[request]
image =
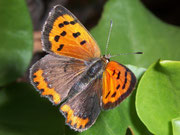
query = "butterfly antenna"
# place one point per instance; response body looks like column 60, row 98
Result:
column 126, row 54
column 110, row 29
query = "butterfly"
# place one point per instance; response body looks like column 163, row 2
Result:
column 75, row 73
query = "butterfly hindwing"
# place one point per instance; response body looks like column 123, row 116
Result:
column 82, row 110
column 64, row 35
column 53, row 76
column 118, row 83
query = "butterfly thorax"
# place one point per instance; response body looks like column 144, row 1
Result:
column 95, row 70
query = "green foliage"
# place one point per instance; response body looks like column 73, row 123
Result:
column 23, row 111
column 16, row 40
column 136, row 29
column 158, row 95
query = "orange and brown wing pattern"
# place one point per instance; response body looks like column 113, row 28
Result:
column 42, row 87
column 54, row 76
column 118, row 83
column 82, row 110
column 64, row 35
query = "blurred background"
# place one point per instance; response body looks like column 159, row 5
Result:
column 89, row 11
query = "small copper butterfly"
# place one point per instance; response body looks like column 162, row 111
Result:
column 75, row 73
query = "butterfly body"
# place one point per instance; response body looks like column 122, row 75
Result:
column 74, row 73
column 95, row 69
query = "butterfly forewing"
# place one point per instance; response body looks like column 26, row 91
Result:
column 118, row 83
column 64, row 35
column 53, row 76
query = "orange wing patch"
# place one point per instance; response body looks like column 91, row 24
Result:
column 118, row 82
column 72, row 119
column 66, row 36
column 43, row 87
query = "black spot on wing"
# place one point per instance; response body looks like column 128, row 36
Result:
column 114, row 94
column 113, row 72
column 34, row 76
column 107, row 94
column 125, row 81
column 66, row 22
column 72, row 22
column 56, row 38
column 83, row 42
column 118, row 86
column 80, row 127
column 36, row 83
column 63, row 33
column 75, row 35
column 118, row 75
column 126, row 74
column 41, row 90
column 60, row 47
column 61, row 25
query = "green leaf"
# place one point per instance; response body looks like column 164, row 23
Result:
column 176, row 126
column 24, row 112
column 137, row 70
column 157, row 99
column 117, row 120
column 16, row 39
column 136, row 29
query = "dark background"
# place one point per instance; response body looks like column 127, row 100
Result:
column 89, row 11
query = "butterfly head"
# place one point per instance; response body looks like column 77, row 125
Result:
column 106, row 58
